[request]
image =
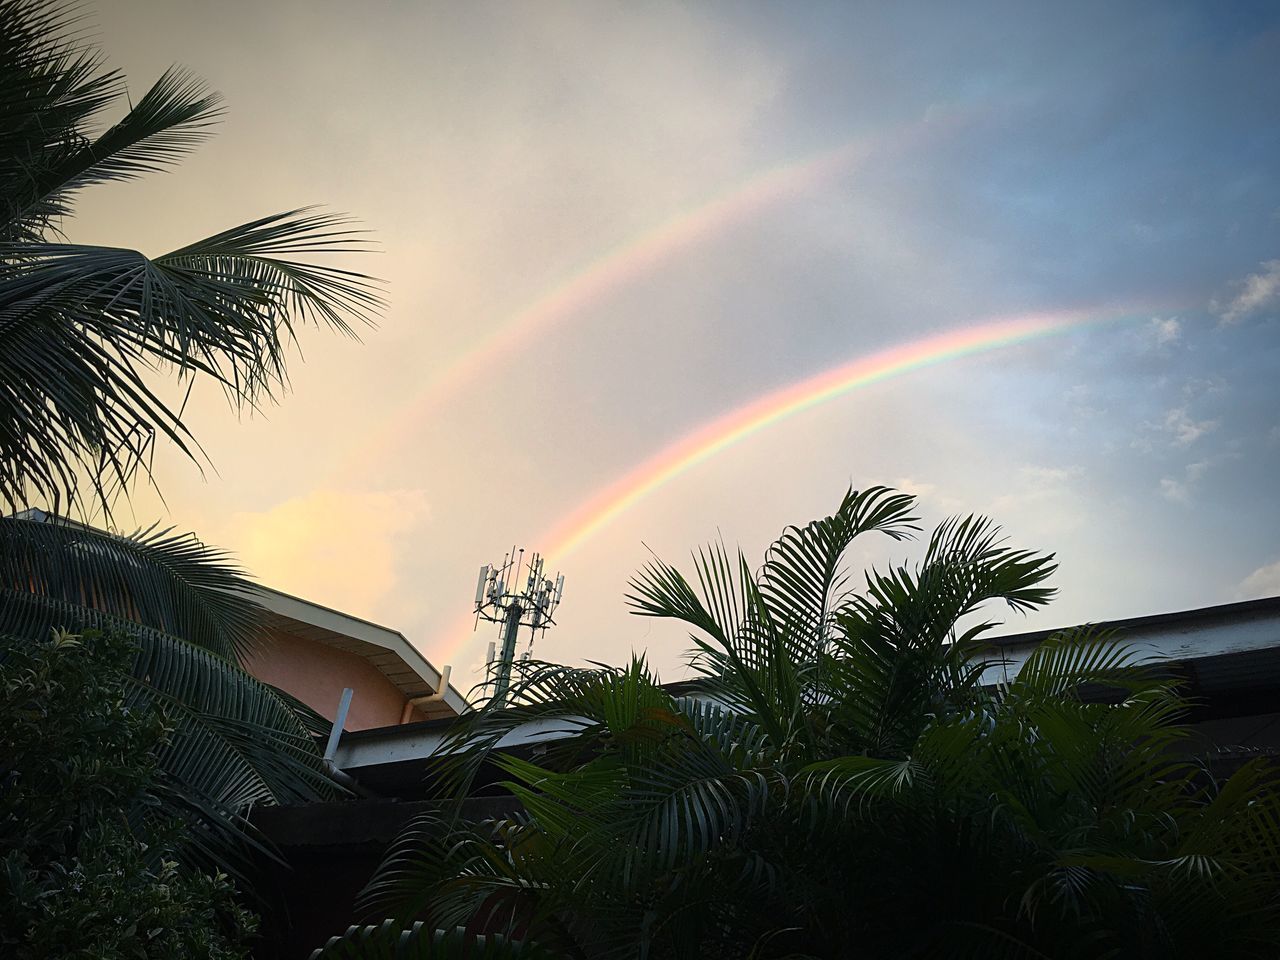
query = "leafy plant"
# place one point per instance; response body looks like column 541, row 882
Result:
column 83, row 328
column 234, row 741
column 90, row 863
column 848, row 775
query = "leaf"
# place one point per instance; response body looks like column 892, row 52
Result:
column 388, row 940
column 84, row 328
column 170, row 582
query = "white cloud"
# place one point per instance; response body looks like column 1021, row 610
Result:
column 931, row 496
column 1186, row 430
column 1164, row 331
column 1202, row 386
column 340, row 548
column 1263, row 582
column 1049, row 493
column 1180, row 491
column 1039, row 477
column 920, row 488
column 1256, row 292
column 1197, row 470
column 1174, row 490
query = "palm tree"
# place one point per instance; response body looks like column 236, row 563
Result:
column 83, row 331
column 236, row 742
column 848, row 776
column 83, row 328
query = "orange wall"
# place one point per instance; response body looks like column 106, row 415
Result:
column 316, row 674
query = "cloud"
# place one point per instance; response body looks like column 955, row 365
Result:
column 1256, row 292
column 340, row 548
column 1185, row 430
column 931, row 495
column 1180, row 491
column 920, row 488
column 1203, row 386
column 1175, row 490
column 1263, row 582
column 1164, row 332
column 1040, row 477
column 1047, row 493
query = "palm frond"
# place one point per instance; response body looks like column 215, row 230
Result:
column 845, row 780
column 1066, row 662
column 81, row 329
column 168, row 581
column 495, row 875
column 52, row 83
column 802, row 580
column 169, row 120
column 391, row 941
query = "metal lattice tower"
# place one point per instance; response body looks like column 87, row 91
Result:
column 502, row 600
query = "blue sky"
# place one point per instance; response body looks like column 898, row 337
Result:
column 1081, row 155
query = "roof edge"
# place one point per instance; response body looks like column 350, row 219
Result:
column 1241, row 608
column 286, row 605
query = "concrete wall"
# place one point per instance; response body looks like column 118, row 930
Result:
column 316, row 674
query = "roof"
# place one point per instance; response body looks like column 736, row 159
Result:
column 1245, row 609
column 1230, row 653
column 387, row 649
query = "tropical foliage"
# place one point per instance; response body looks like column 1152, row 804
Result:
column 852, row 773
column 85, row 332
column 234, row 741
column 418, row 942
column 90, row 854
column 84, row 328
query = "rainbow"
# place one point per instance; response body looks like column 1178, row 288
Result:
column 718, row 435
column 643, row 253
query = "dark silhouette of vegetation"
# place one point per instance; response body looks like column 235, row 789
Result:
column 83, row 328
column 235, row 741
column 850, row 774
column 90, row 858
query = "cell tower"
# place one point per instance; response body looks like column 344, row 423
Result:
column 500, row 600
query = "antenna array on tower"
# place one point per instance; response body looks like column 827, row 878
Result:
column 501, row 598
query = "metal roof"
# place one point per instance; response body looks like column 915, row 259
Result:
column 1230, row 653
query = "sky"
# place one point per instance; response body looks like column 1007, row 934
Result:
column 661, row 273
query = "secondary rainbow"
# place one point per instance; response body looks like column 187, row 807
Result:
column 716, row 436
column 641, row 254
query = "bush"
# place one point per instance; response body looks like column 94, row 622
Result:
column 88, row 867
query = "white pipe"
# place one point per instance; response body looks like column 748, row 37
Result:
column 441, row 690
column 331, row 749
column 339, row 721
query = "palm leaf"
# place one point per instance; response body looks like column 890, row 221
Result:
column 51, row 84
column 390, row 941
column 166, row 123
column 155, row 577
column 1068, row 661
column 83, row 328
column 802, row 578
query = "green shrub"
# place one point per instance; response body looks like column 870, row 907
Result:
column 88, row 867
